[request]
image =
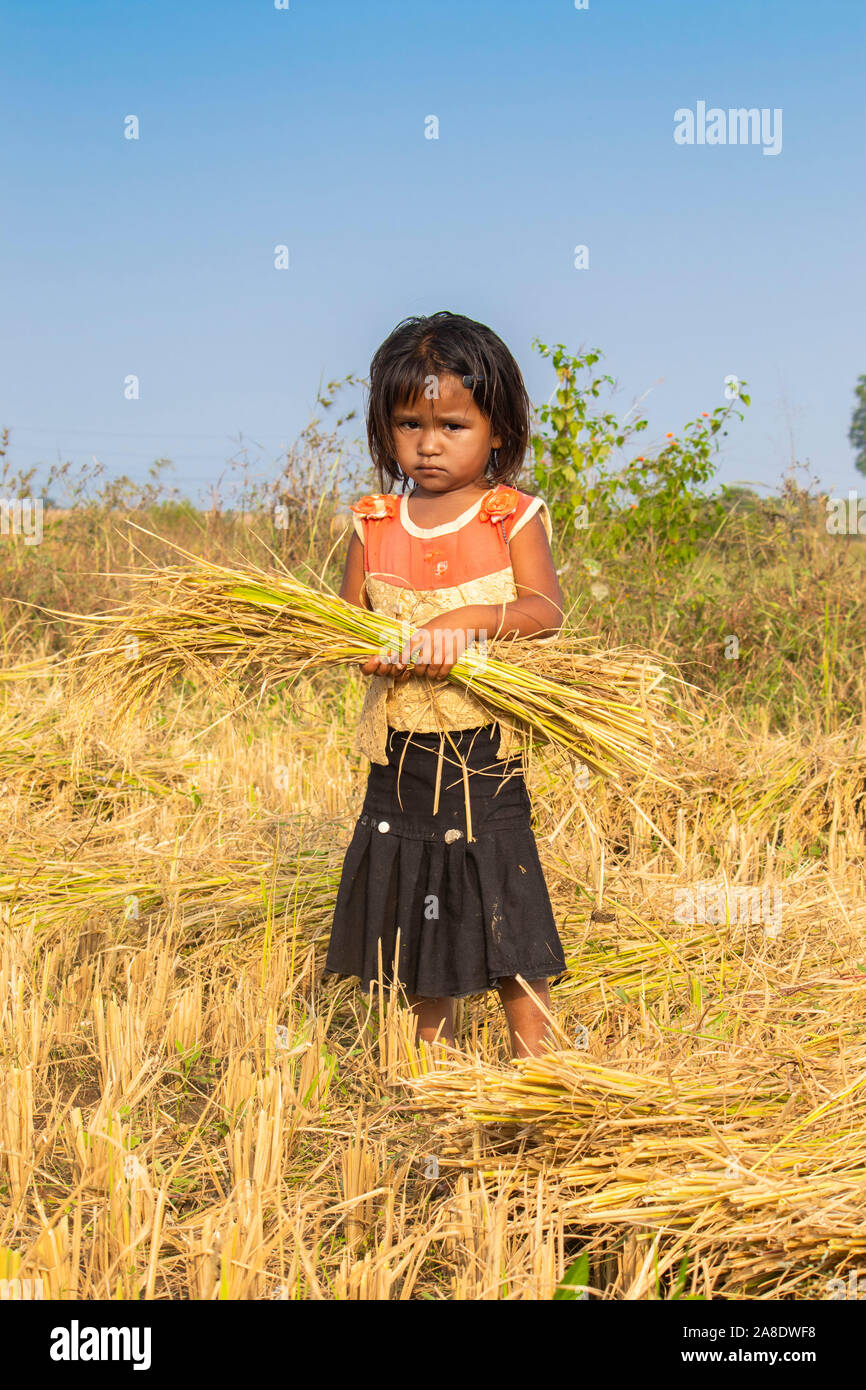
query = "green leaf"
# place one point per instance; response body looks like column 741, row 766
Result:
column 575, row 1278
column 681, row 1277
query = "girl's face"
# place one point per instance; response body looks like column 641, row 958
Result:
column 443, row 444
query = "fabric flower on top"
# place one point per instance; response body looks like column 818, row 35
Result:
column 499, row 503
column 376, row 505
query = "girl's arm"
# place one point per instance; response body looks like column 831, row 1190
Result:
column 536, row 612
column 352, row 591
column 538, row 609
column 353, row 575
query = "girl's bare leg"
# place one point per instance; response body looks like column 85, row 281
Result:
column 431, row 1013
column 525, row 1017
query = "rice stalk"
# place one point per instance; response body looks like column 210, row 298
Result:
column 223, row 626
column 51, row 892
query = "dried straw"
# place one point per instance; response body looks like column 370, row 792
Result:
column 227, row 626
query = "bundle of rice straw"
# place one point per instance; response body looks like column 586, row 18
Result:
column 606, row 709
column 48, row 892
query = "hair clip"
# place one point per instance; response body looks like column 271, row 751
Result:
column 470, row 381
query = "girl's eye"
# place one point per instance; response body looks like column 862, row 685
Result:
column 412, row 424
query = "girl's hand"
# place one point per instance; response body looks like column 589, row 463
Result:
column 382, row 666
column 433, row 649
column 438, row 644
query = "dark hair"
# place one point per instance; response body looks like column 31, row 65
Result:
column 448, row 344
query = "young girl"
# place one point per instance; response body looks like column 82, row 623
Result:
column 444, row 850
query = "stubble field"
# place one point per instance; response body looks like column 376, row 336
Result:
column 188, row 1111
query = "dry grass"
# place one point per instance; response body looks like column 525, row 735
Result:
column 244, row 626
column 187, row 1111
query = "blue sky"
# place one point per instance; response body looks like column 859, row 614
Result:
column 305, row 127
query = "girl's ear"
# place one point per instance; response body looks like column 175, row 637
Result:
column 496, row 442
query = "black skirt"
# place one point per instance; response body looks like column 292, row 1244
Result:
column 470, row 911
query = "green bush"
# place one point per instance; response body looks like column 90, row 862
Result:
column 656, row 499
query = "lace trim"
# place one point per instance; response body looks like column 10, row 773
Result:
column 422, row 705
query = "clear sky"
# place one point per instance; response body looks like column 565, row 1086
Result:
column 306, row 127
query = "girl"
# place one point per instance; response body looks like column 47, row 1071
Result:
column 444, row 850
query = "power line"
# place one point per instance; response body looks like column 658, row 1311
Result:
column 129, row 454
column 128, row 434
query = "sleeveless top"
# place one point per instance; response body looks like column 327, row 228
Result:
column 413, row 574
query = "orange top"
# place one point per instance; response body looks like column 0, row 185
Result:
column 471, row 547
column 415, row 573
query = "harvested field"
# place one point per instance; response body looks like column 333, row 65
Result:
column 188, row 1111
